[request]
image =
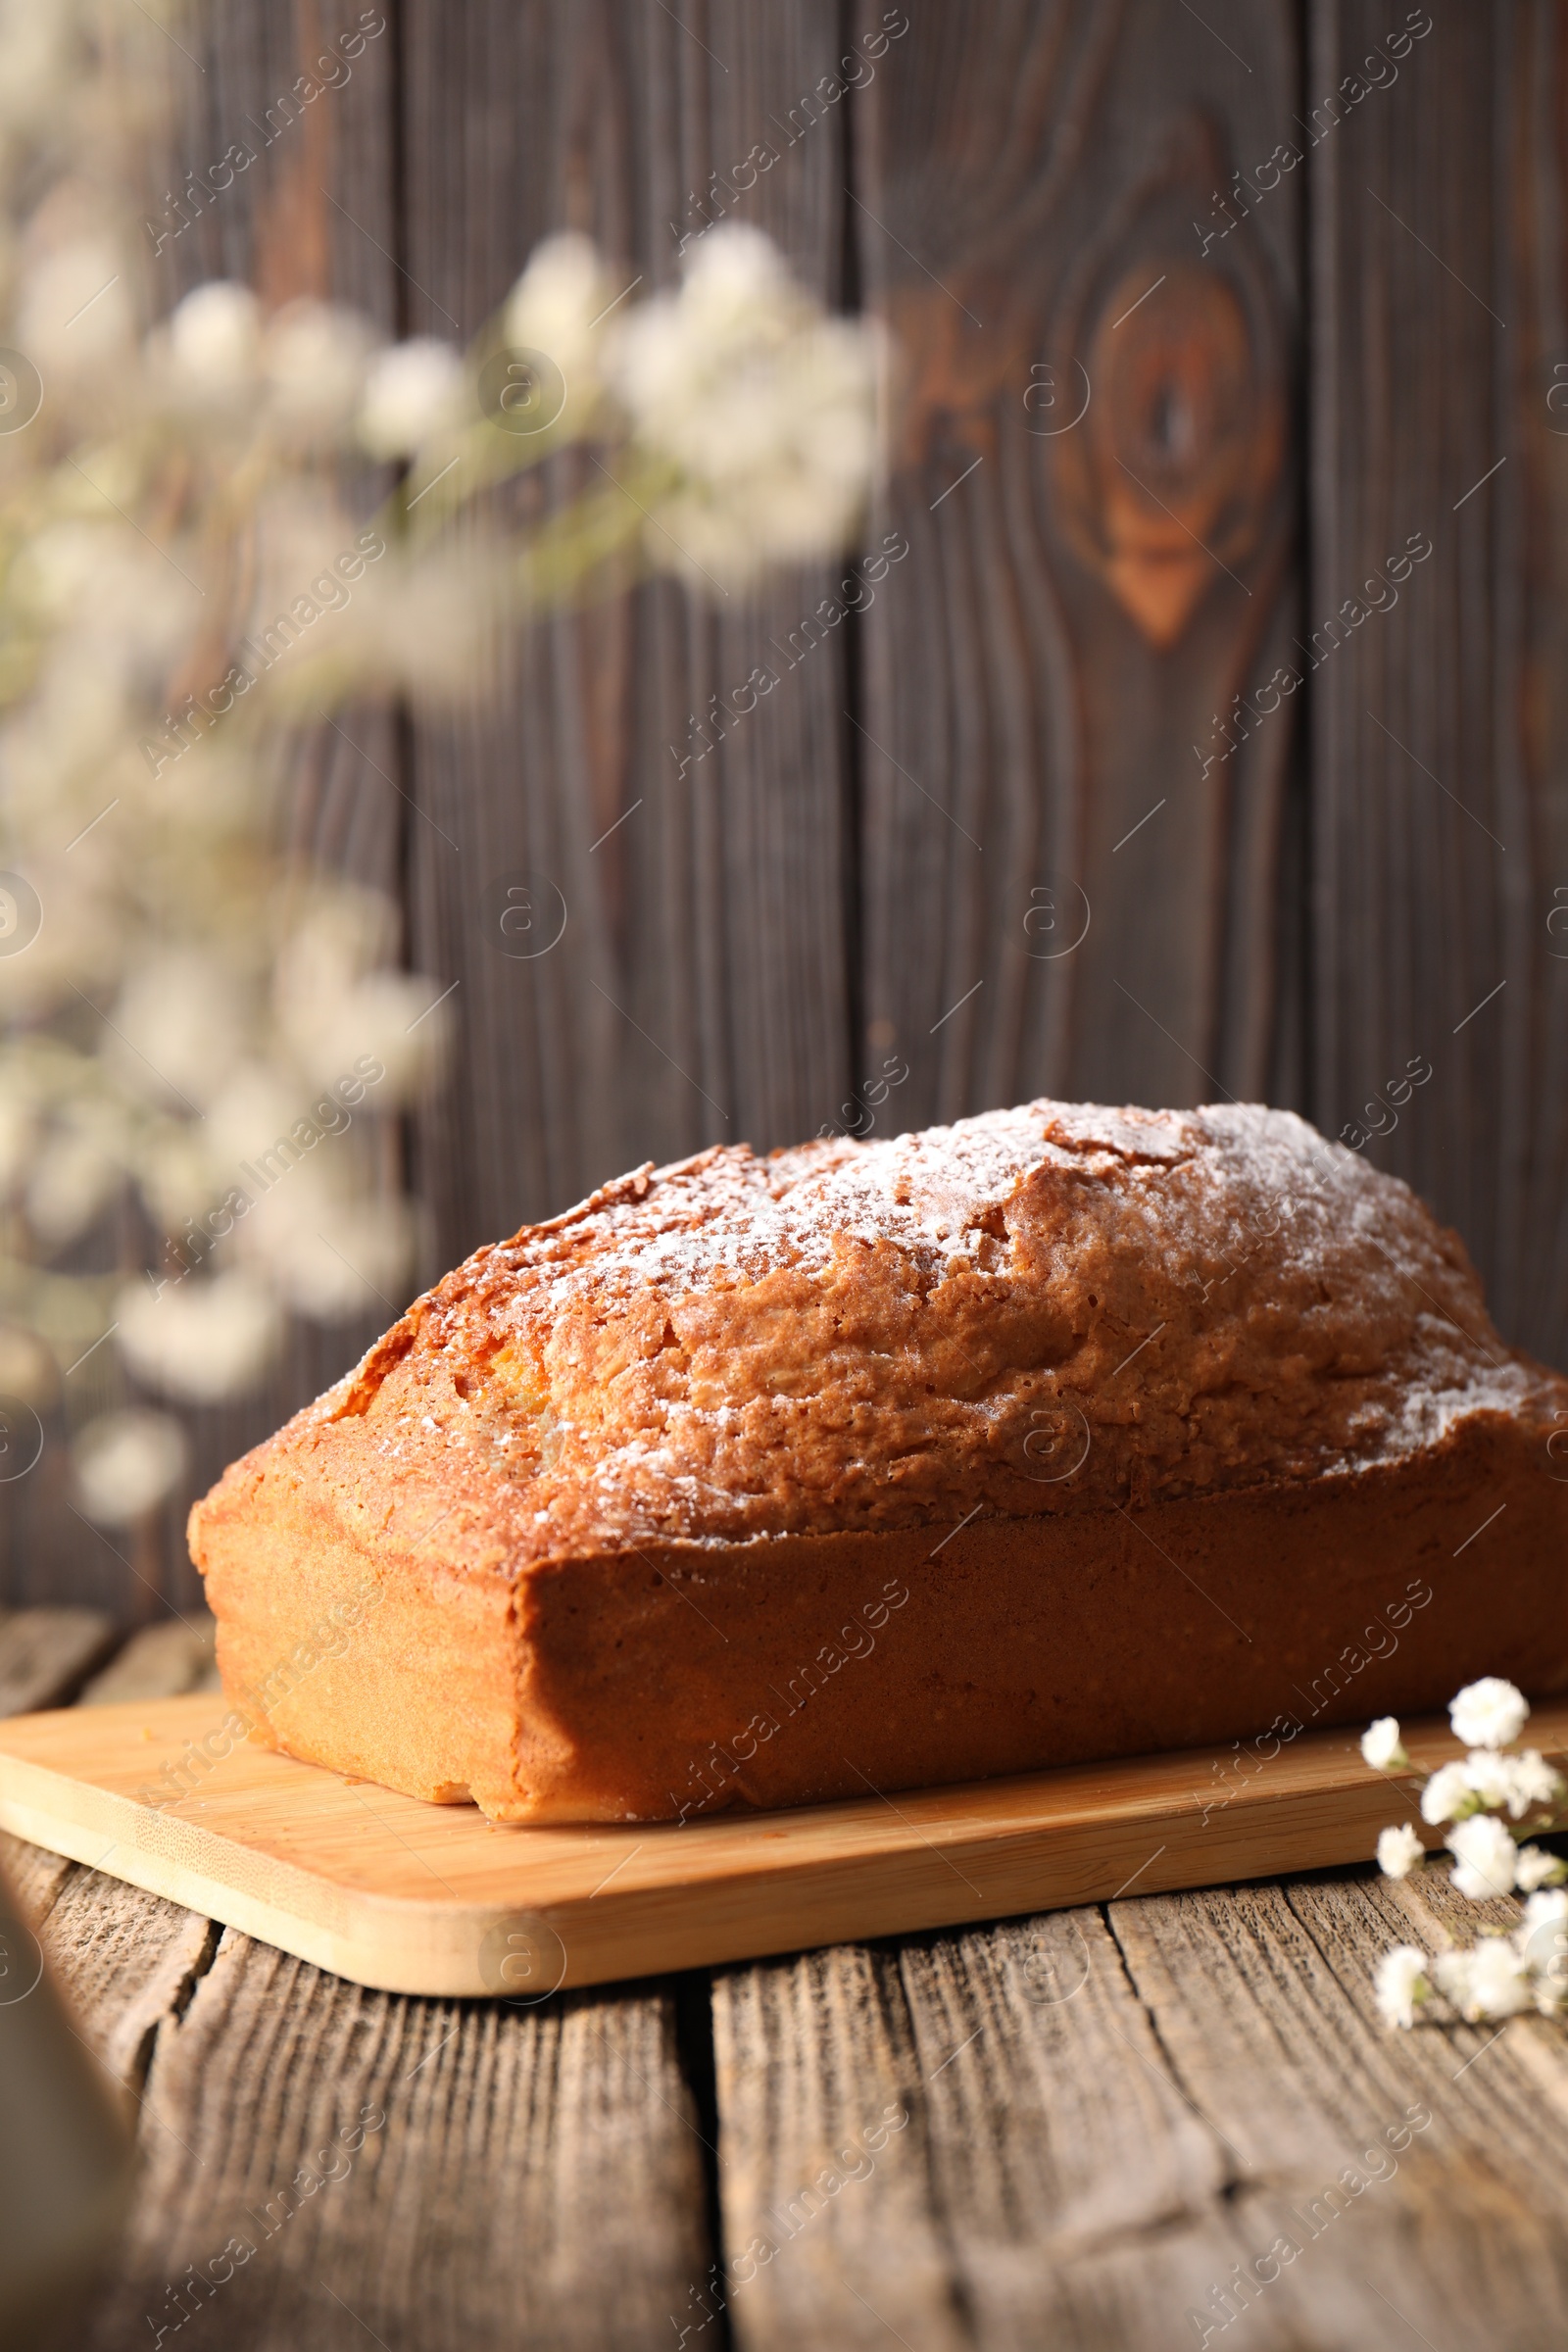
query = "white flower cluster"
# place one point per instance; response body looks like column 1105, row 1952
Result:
column 1500, row 1974
column 196, row 1034
column 758, row 408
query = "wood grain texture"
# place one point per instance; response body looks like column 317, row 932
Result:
column 46, row 1654
column 698, row 991
column 535, row 2174
column 125, row 1960
column 312, row 215
column 310, row 212
column 158, row 1662
column 1437, row 766
column 1535, row 1239
column 536, row 2169
column 1111, row 2110
column 830, row 2234
column 1094, row 479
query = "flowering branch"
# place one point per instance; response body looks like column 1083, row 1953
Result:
column 1502, row 1974
column 202, row 562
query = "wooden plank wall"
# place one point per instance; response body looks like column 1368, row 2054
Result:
column 701, row 990
column 312, row 213
column 1439, row 820
column 1081, row 596
column 1102, row 792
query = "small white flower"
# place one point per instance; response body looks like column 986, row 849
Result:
column 198, row 1340
column 1399, row 1851
column 762, row 407
column 331, row 1258
column 1549, row 1909
column 1447, row 1794
column 315, row 356
column 1490, row 1713
column 72, row 1180
column 1517, row 1781
column 176, row 1026
column 1551, row 1994
column 1383, row 1747
column 389, row 1021
column 215, row 337
column 557, row 307
column 1541, row 1939
column 27, row 1369
column 1490, row 1981
column 74, row 310
column 126, row 1462
column 414, row 392
column 1486, row 1857
column 1490, row 1774
column 1450, row 1972
column 1534, row 1867
column 1402, row 1984
column 1534, row 1783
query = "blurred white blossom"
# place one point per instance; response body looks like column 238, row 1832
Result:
column 759, row 406
column 1534, row 1783
column 1402, row 1984
column 1490, row 1981
column 1543, row 1911
column 1541, row 1939
column 214, row 339
column 1484, row 1855
column 1490, row 1774
column 1399, row 1851
column 74, row 315
column 1382, row 1746
column 205, row 559
column 556, row 308
column 71, row 1181
column 1449, row 1793
column 331, row 1258
column 27, row 1369
column 1518, row 1782
column 314, row 359
column 178, row 1026
column 1535, row 1868
column 126, row 1462
column 1490, row 1713
column 199, row 1341
column 414, row 392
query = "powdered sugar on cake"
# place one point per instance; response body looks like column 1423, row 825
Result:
column 1058, row 1309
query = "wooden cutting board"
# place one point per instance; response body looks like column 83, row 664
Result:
column 412, row 1897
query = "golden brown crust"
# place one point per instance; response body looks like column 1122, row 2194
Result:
column 1034, row 1323
column 669, row 1683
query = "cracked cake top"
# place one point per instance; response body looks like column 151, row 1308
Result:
column 1054, row 1308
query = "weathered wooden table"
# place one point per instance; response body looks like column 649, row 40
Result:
column 1061, row 2132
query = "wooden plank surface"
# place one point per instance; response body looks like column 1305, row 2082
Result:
column 1094, row 477
column 46, row 1654
column 698, row 991
column 536, row 2167
column 434, row 1898
column 534, row 2175
column 1109, row 2110
column 177, row 1655
column 1441, row 840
